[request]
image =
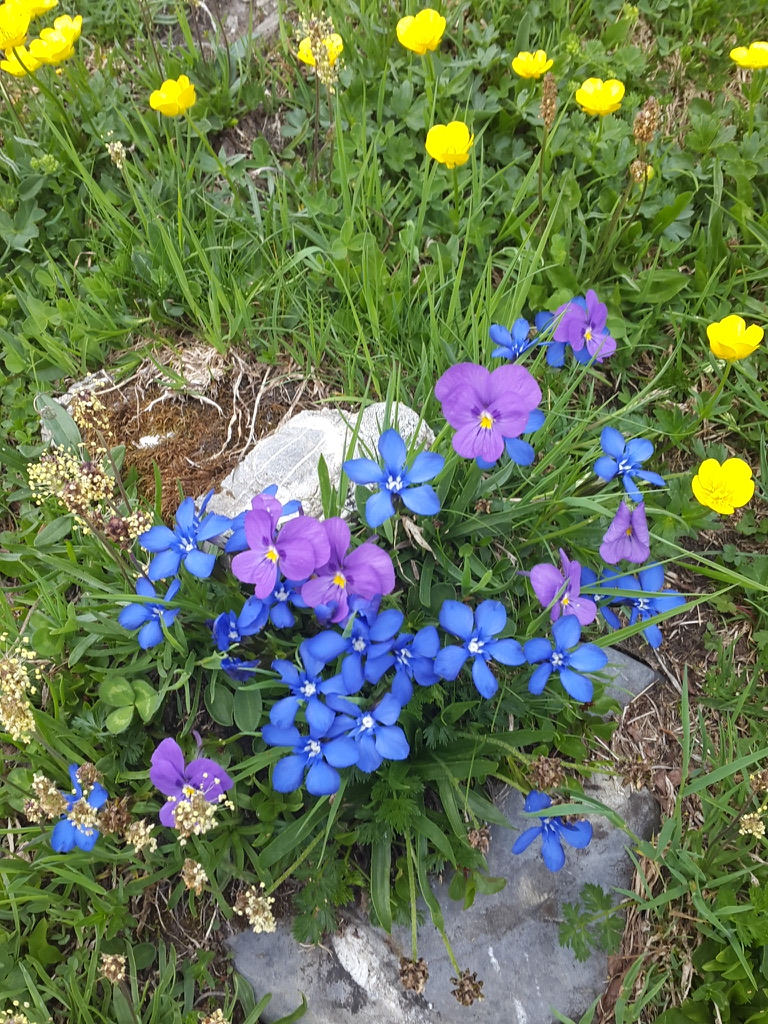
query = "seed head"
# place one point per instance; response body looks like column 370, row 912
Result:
column 468, row 988
column 647, row 120
column 752, row 825
column 113, row 967
column 256, row 908
column 548, row 99
column 193, row 875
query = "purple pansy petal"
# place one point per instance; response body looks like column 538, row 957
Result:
column 167, row 814
column 167, row 767
column 472, row 441
column 338, row 536
column 202, row 773
column 370, row 571
column 547, row 582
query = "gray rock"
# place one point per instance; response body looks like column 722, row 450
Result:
column 289, row 457
column 628, row 677
column 510, row 939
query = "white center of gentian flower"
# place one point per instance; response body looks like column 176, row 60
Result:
column 271, row 554
column 366, row 723
column 312, row 748
column 558, row 660
column 188, row 545
column 403, row 656
column 308, row 689
column 394, row 483
column 281, row 594
column 624, row 465
column 233, row 633
column 358, row 645
column 486, row 420
column 475, row 645
column 643, row 604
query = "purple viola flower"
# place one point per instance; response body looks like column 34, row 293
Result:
column 174, row 547
column 520, row 452
column 624, row 458
column 77, row 826
column 478, row 632
column 265, row 501
column 371, row 636
column 582, row 326
column 485, row 407
column 149, row 618
column 627, row 538
column 178, row 781
column 229, row 628
column 366, row 572
column 566, row 657
column 313, row 756
column 239, row 670
column 413, row 658
column 374, row 731
column 562, row 590
column 306, row 686
column 552, row 831
column 396, row 479
column 645, row 600
column 296, row 550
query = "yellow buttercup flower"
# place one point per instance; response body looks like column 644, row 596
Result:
column 421, row 32
column 19, row 61
column 174, row 96
column 723, row 488
column 71, row 27
column 37, row 7
column 531, row 65
column 449, row 144
column 334, row 44
column 754, row 56
column 14, row 23
column 730, row 338
column 58, row 43
column 598, row 97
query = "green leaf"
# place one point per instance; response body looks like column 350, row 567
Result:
column 247, row 708
column 117, row 692
column 146, row 699
column 118, row 720
column 381, row 869
column 426, row 827
column 53, row 532
column 63, row 428
column 40, row 948
column 219, row 702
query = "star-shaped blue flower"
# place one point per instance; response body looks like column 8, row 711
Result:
column 478, row 632
column 77, row 827
column 649, row 599
column 172, row 547
column 625, row 458
column 395, row 479
column 566, row 657
column 552, row 831
column 313, row 756
column 149, row 618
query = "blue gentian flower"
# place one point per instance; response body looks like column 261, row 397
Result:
column 511, row 344
column 229, row 628
column 396, row 479
column 478, row 632
column 313, row 756
column 150, row 617
column 371, row 636
column 552, row 831
column 238, row 541
column 412, row 656
column 374, row 731
column 566, row 657
column 624, row 458
column 306, row 687
column 285, row 594
column 520, row 452
column 239, row 670
column 648, row 602
column 172, row 547
column 78, row 824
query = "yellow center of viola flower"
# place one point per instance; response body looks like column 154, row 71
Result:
column 339, row 580
column 565, row 601
column 588, row 335
column 628, row 531
column 272, row 554
column 486, row 420
column 188, row 790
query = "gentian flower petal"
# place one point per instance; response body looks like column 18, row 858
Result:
column 525, row 839
column 566, row 632
column 288, row 773
column 552, row 851
column 63, row 836
column 422, row 500
column 322, row 780
column 378, row 508
column 485, row 681
column 157, row 538
column 450, row 661
column 457, row 618
column 536, row 801
column 588, row 658
column 539, row 678
column 612, row 442
column 363, row 471
column 491, row 617
column 537, row 649
column 577, row 834
column 578, row 686
column 164, row 564
column 392, row 743
column 198, row 563
column 392, row 450
column 507, row 652
column 150, row 635
column 426, row 466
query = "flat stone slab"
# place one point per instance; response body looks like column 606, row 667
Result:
column 289, row 457
column 628, row 677
column 510, row 939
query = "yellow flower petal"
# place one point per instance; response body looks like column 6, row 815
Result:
column 421, row 32
column 753, row 57
column 600, row 98
column 531, row 65
column 173, row 97
column 450, row 143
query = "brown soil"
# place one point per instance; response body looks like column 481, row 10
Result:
column 189, row 416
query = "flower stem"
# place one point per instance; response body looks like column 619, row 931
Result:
column 710, row 405
column 542, row 153
column 316, row 139
column 456, row 198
